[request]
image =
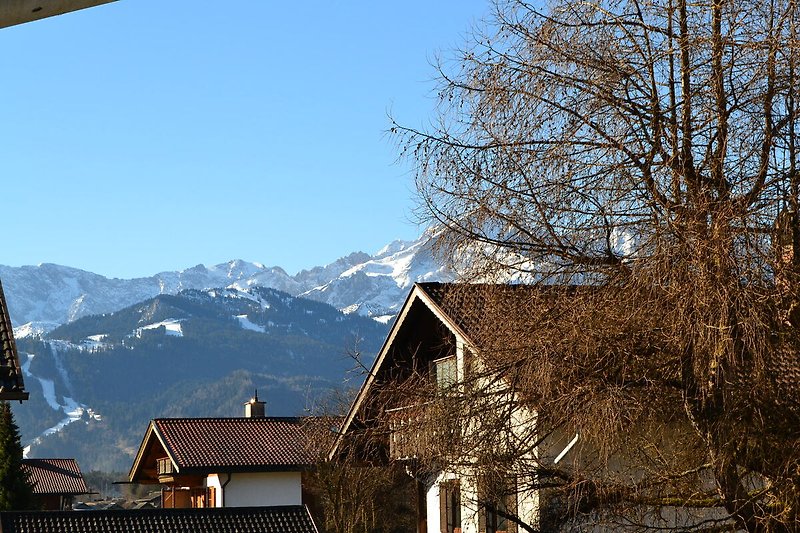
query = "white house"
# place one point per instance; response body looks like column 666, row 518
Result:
column 254, row 461
column 440, row 400
column 432, row 339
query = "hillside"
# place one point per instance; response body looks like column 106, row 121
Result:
column 96, row 382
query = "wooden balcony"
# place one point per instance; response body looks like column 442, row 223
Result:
column 408, row 436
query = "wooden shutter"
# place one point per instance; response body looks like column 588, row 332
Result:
column 481, row 507
column 511, row 508
column 443, row 499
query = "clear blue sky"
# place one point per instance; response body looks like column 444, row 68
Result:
column 151, row 135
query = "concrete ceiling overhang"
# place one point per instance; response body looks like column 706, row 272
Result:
column 13, row 12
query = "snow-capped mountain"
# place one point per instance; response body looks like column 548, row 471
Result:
column 41, row 297
column 377, row 286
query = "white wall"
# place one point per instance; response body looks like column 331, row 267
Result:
column 469, row 514
column 523, row 423
column 260, row 489
column 432, row 506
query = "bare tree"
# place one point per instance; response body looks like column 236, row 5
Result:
column 349, row 494
column 647, row 151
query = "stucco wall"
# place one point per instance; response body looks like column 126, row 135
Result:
column 261, row 489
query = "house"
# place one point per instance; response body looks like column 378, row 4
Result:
column 55, row 482
column 439, row 399
column 225, row 462
column 285, row 519
column 12, row 386
column 434, row 339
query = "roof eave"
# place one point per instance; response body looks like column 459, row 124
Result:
column 13, row 395
column 238, row 469
column 14, row 12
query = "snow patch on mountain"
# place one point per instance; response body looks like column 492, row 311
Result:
column 172, row 327
column 34, row 329
column 245, row 323
column 73, row 410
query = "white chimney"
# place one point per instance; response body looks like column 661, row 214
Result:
column 254, row 408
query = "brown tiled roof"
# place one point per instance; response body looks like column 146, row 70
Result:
column 269, row 443
column 469, row 305
column 286, row 519
column 55, row 476
column 11, row 385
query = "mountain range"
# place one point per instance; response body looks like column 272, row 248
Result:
column 44, row 296
column 102, row 356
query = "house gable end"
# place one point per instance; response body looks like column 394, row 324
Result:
column 421, row 324
column 152, row 448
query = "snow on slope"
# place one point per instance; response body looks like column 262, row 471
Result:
column 377, row 287
column 34, row 329
column 245, row 323
column 41, row 297
column 171, row 327
column 72, row 410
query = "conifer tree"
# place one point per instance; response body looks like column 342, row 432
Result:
column 16, row 493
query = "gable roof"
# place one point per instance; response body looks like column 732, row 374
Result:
column 207, row 445
column 437, row 297
column 462, row 308
column 12, row 386
column 284, row 519
column 55, row 476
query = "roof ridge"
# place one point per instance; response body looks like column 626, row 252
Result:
column 50, row 459
column 286, row 418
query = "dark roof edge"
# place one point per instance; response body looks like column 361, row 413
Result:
column 238, row 469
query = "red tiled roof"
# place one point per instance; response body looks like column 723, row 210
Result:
column 55, row 476
column 286, row 519
column 268, row 443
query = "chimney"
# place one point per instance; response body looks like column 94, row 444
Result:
column 254, row 408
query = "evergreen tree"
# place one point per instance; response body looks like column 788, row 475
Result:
column 16, row 493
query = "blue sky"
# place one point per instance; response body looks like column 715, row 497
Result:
column 151, row 135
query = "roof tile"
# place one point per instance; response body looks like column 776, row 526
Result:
column 203, row 443
column 285, row 519
column 55, row 476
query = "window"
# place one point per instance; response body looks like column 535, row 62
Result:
column 203, row 497
column 450, row 507
column 497, row 502
column 445, row 372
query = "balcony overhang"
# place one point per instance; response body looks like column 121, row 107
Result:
column 13, row 12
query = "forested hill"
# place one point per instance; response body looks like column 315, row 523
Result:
column 96, row 382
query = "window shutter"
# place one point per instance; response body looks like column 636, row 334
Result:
column 481, row 507
column 511, row 509
column 443, row 497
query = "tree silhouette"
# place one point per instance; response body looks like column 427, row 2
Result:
column 648, row 150
column 16, row 493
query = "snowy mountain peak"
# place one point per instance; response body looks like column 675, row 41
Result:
column 371, row 285
column 394, row 247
